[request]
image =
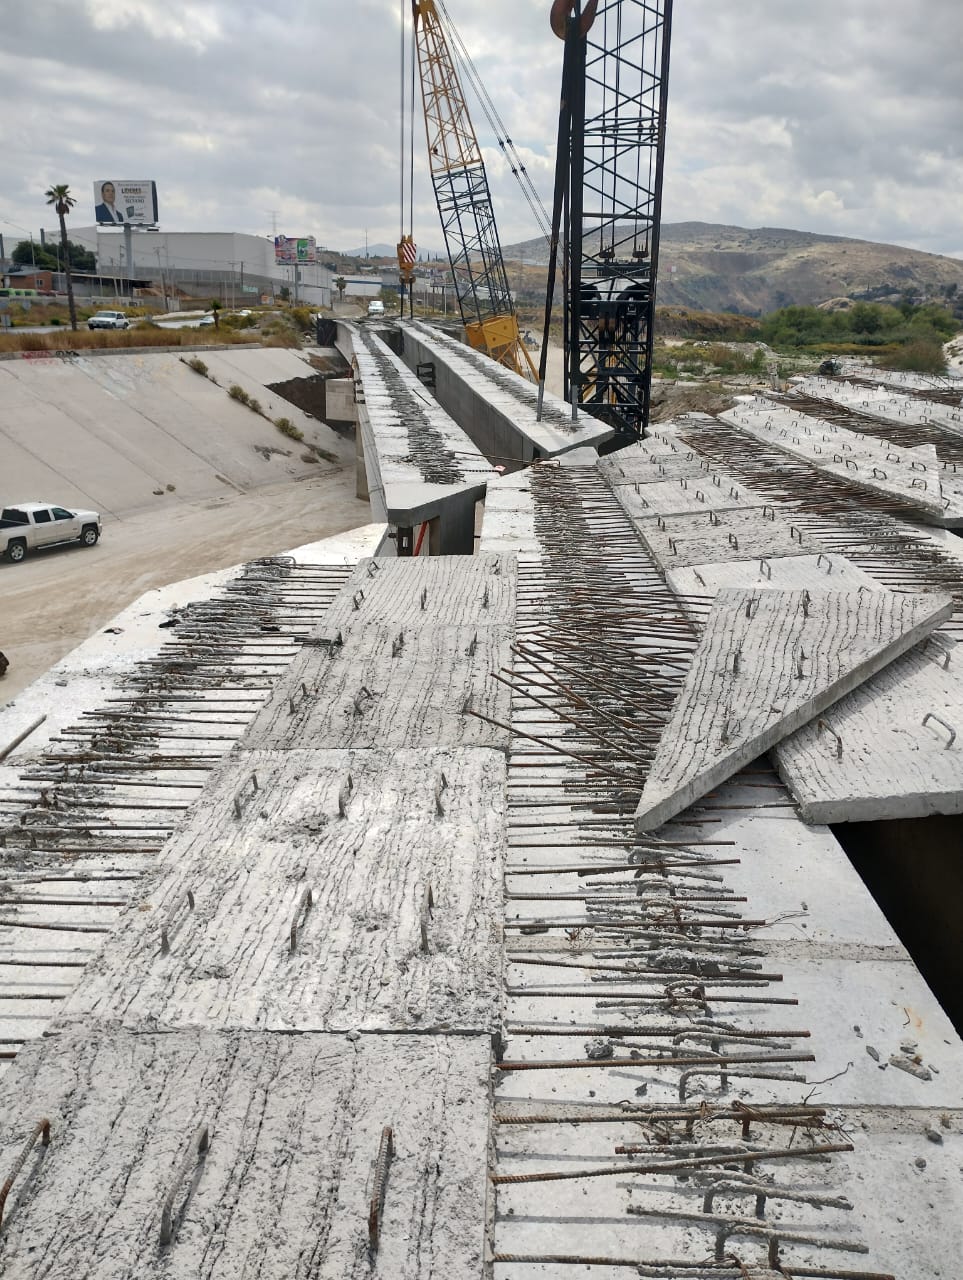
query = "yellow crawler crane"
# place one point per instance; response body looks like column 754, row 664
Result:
column 464, row 201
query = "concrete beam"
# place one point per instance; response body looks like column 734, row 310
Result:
column 495, row 406
column 419, row 466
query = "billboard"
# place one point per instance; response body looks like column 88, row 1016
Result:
column 290, row 250
column 120, row 200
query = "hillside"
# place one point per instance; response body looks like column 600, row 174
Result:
column 720, row 268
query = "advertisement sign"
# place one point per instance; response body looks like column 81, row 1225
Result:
column 120, row 200
column 290, row 250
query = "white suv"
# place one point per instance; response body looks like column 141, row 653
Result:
column 376, row 308
column 108, row 320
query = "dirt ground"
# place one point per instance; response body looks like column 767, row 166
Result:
column 55, row 599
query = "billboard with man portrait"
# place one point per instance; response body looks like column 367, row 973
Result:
column 120, row 200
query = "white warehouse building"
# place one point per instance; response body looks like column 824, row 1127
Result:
column 226, row 264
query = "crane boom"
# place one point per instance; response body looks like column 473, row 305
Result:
column 464, row 200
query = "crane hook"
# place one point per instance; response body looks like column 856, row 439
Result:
column 563, row 9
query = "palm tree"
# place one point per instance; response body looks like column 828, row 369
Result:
column 61, row 199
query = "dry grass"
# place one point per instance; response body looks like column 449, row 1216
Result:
column 101, row 339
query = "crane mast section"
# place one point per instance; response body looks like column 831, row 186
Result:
column 464, row 200
column 618, row 147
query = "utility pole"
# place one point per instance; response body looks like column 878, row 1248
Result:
column 160, row 271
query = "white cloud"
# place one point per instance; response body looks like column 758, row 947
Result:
column 843, row 120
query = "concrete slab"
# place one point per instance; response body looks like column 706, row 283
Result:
column 508, row 524
column 495, row 407
column 724, row 537
column 631, row 467
column 781, row 573
column 767, row 663
column 374, row 692
column 892, row 765
column 682, row 496
column 900, row 380
column 425, row 822
column 285, row 1185
column 412, row 592
column 883, row 402
column 910, row 477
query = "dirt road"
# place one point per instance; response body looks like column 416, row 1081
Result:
column 57, row 598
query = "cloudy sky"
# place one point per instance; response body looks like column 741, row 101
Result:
column 838, row 117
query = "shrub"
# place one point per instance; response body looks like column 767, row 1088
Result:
column 918, row 357
column 238, row 393
column 197, row 364
column 254, row 405
column 287, row 428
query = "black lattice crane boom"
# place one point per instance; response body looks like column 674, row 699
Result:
column 609, row 181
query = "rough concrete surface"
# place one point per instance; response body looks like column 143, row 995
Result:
column 372, row 691
column 900, row 753
column 284, row 1188
column 767, row 663
column 415, row 824
column 438, row 591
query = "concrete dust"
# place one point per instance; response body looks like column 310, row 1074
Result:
column 55, row 599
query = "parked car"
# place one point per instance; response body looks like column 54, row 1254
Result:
column 108, row 320
column 376, row 307
column 205, row 321
column 41, row 524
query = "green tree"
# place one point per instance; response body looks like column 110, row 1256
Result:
column 340, row 284
column 27, row 253
column 216, row 308
column 61, row 199
column 30, row 254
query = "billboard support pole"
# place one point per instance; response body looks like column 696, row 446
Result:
column 129, row 255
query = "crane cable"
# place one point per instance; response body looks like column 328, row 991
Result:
column 515, row 162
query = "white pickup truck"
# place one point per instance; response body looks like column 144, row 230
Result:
column 41, row 524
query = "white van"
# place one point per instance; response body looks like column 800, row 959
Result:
column 376, row 307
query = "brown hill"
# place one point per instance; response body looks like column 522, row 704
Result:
column 720, row 268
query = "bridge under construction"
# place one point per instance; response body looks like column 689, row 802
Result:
column 475, row 912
